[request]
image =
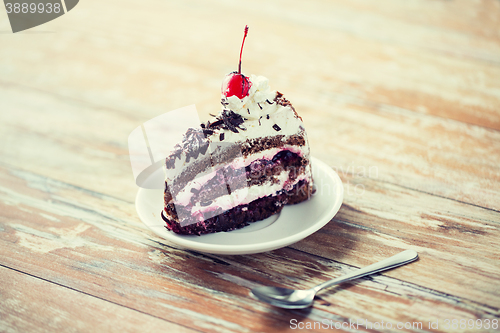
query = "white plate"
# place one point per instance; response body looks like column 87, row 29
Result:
column 294, row 223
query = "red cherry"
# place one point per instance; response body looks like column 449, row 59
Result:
column 235, row 83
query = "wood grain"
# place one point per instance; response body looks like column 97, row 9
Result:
column 402, row 99
column 151, row 276
column 31, row 304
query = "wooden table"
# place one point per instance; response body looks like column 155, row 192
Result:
column 402, row 98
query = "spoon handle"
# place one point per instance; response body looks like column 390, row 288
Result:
column 394, row 261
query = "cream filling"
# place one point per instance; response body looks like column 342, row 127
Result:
column 184, row 196
column 244, row 196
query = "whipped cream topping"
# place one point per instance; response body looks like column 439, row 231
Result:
column 262, row 115
column 258, row 104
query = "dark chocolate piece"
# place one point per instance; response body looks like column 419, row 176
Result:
column 208, row 132
column 217, row 124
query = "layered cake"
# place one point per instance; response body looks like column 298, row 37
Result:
column 242, row 166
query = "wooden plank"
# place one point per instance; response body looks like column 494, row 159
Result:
column 458, row 238
column 30, row 304
column 429, row 154
column 401, row 98
column 88, row 243
column 442, row 62
column 418, row 151
column 433, row 163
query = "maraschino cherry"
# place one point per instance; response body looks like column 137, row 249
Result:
column 235, row 83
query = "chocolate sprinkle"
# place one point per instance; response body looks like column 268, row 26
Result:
column 216, row 124
column 195, row 140
column 276, row 127
column 267, row 116
column 208, row 132
column 259, row 106
column 193, row 144
column 229, row 124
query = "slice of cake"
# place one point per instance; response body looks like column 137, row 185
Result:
column 242, row 166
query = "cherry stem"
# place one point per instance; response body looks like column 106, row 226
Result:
column 241, row 51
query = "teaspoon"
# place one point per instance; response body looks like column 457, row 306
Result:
column 300, row 299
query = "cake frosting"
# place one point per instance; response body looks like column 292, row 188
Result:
column 241, row 166
column 251, row 158
column 262, row 114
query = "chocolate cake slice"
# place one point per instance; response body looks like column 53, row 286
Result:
column 242, row 166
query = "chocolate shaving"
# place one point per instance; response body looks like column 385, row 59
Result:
column 259, row 106
column 267, row 116
column 193, row 143
column 216, row 124
column 276, row 127
column 229, row 120
column 268, row 101
column 208, row 132
column 282, row 101
column 195, row 140
column 170, row 163
column 229, row 125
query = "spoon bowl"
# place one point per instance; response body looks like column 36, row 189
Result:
column 300, row 299
column 285, row 298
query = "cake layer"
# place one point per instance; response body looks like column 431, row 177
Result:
column 241, row 215
column 222, row 155
column 187, row 180
column 219, row 191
